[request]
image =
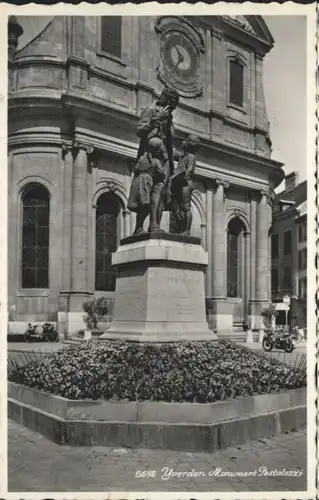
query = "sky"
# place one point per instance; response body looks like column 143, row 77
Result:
column 285, row 91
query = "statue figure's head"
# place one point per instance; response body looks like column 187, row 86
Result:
column 169, row 97
column 154, row 147
column 191, row 144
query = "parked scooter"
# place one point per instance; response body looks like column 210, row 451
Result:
column 277, row 340
column 48, row 333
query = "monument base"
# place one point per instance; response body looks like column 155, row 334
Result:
column 160, row 292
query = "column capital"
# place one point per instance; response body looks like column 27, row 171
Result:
column 75, row 146
column 215, row 32
column 271, row 198
column 264, row 195
column 65, row 149
column 87, row 148
column 259, row 55
column 222, row 183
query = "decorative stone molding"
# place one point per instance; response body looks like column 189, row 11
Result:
column 110, row 186
column 198, row 202
column 239, row 21
column 238, row 212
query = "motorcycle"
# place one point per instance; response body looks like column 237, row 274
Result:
column 48, row 333
column 272, row 340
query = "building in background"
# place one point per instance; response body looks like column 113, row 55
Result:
column 289, row 250
column 77, row 85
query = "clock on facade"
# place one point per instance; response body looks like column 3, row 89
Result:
column 181, row 46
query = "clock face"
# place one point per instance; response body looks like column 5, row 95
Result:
column 181, row 46
column 179, row 57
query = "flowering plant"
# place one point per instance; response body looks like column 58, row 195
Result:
column 200, row 372
column 95, row 310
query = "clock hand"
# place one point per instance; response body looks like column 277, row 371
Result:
column 180, row 59
column 177, row 64
column 180, row 55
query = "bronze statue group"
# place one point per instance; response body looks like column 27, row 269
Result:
column 156, row 186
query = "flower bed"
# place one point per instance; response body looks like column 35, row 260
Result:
column 199, row 372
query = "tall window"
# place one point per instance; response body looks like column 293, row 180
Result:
column 275, row 245
column 111, row 34
column 302, row 259
column 35, row 237
column 106, row 230
column 236, row 82
column 302, row 232
column 287, row 278
column 274, row 279
column 234, row 258
column 303, row 288
column 287, row 242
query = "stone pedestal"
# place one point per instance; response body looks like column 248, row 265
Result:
column 160, row 292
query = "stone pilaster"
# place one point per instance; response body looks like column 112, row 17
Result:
column 220, row 317
column 209, row 214
column 262, row 261
column 67, row 209
column 203, row 230
column 253, row 225
column 247, row 277
column 76, row 237
column 126, row 214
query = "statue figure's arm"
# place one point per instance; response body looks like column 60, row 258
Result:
column 190, row 166
column 147, row 122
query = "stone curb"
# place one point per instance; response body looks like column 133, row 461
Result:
column 149, row 411
column 181, row 437
column 176, row 426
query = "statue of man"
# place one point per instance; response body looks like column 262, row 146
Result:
column 182, row 185
column 157, row 121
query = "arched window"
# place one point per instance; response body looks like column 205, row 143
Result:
column 236, row 82
column 234, row 258
column 111, row 34
column 35, row 237
column 106, row 240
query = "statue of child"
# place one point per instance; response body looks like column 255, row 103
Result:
column 147, row 186
column 182, row 186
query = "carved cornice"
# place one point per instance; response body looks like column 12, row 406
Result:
column 239, row 21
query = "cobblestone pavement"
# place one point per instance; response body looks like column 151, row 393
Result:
column 35, row 464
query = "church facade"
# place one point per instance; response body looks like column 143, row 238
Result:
column 77, row 86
